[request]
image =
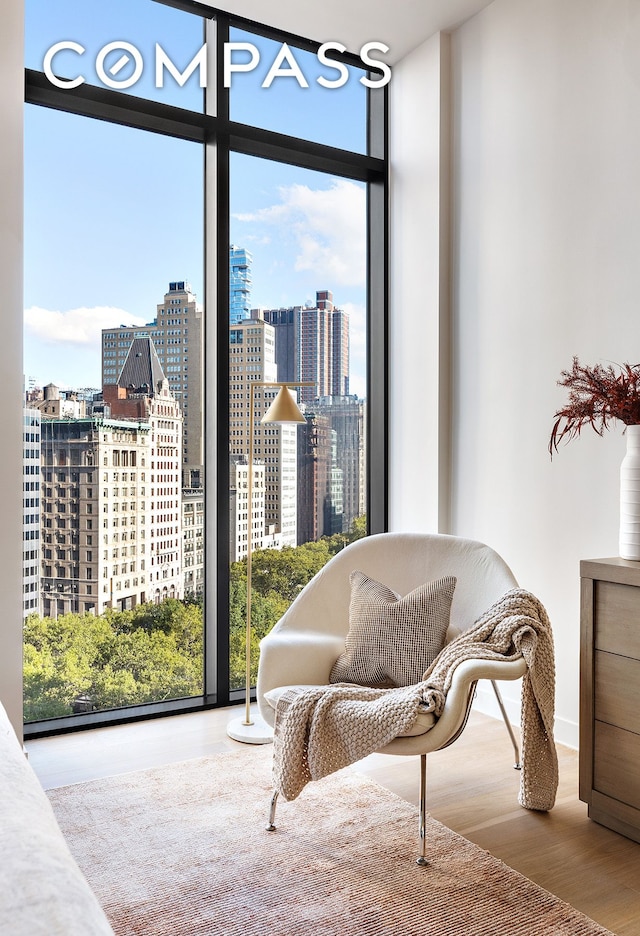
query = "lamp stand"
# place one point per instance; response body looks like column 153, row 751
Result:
column 253, row 729
column 255, row 732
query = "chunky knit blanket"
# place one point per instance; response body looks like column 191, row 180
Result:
column 321, row 730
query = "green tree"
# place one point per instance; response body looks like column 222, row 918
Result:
column 155, row 652
column 266, row 610
column 147, row 654
column 277, row 577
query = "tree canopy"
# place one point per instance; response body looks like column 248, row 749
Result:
column 148, row 654
column 155, row 652
column 277, row 576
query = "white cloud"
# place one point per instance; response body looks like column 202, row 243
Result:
column 327, row 226
column 78, row 327
column 260, row 241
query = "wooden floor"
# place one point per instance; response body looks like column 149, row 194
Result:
column 472, row 788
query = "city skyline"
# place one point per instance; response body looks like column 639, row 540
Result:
column 80, row 444
column 77, row 336
column 112, row 214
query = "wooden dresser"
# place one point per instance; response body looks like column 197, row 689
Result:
column 610, row 693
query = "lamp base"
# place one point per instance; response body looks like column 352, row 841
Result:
column 257, row 733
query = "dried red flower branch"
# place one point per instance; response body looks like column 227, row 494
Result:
column 597, row 395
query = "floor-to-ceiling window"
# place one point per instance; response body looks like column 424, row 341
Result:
column 305, row 250
column 181, row 242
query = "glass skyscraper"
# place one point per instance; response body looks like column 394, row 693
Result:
column 240, row 283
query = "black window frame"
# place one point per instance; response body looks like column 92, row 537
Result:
column 220, row 137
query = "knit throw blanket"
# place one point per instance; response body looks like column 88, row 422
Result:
column 321, row 730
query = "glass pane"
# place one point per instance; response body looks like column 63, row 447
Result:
column 336, row 116
column 298, row 307
column 139, row 23
column 113, row 411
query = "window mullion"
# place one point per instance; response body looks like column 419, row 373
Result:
column 217, row 375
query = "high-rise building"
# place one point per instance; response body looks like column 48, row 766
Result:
column 320, row 506
column 95, row 522
column 240, row 283
column 322, row 347
column 346, row 416
column 334, row 510
column 31, row 511
column 143, row 392
column 284, row 322
column 111, row 516
column 339, row 370
column 313, row 351
column 239, row 508
column 177, row 335
column 252, row 358
column 312, row 345
column 193, row 541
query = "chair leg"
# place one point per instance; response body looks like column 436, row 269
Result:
column 272, row 812
column 422, row 809
column 518, row 764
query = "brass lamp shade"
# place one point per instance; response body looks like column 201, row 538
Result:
column 284, row 409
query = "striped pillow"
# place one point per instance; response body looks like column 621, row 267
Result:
column 392, row 640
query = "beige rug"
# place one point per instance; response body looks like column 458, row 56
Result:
column 182, row 850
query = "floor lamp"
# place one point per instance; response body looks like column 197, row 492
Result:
column 283, row 409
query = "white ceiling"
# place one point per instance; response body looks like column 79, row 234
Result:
column 400, row 24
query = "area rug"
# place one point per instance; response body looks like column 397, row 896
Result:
column 182, row 850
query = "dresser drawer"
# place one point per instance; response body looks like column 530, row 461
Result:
column 617, row 690
column 617, row 618
column 616, row 763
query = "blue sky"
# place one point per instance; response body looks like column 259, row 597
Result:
column 113, row 214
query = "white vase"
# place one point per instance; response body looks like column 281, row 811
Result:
column 630, row 496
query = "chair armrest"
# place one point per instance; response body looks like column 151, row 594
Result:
column 472, row 670
column 458, row 701
column 295, row 658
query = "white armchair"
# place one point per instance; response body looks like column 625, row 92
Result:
column 303, row 646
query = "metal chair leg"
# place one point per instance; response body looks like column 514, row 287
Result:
column 422, row 809
column 272, row 812
column 518, row 763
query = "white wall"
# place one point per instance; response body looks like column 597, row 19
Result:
column 419, row 403
column 11, row 107
column 545, row 265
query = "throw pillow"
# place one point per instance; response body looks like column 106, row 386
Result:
column 392, row 640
